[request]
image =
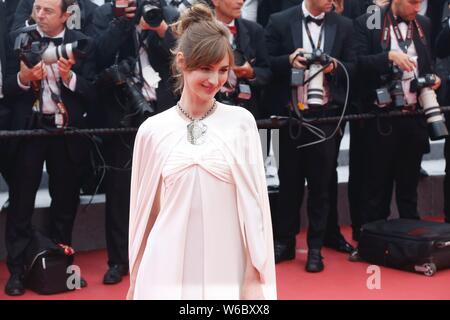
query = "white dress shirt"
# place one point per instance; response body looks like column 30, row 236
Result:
column 151, row 77
column 315, row 34
column 53, row 77
column 411, row 98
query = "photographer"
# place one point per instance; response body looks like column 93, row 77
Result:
column 53, row 94
column 4, row 110
column 134, row 44
column 443, row 51
column 290, row 36
column 84, row 8
column 390, row 65
column 252, row 71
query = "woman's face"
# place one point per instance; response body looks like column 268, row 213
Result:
column 206, row 81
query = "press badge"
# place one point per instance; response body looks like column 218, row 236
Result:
column 59, row 121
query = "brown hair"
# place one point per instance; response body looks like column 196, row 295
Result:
column 202, row 39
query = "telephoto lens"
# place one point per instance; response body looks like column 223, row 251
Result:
column 78, row 48
column 152, row 13
column 315, row 86
column 436, row 122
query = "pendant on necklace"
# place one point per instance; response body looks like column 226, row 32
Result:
column 196, row 131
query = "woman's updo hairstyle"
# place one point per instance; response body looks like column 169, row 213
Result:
column 202, row 39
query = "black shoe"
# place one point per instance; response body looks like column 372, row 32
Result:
column 339, row 244
column 115, row 273
column 14, row 286
column 314, row 262
column 423, row 173
column 284, row 250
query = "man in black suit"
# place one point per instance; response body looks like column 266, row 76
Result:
column 4, row 110
column 394, row 146
column 443, row 51
column 24, row 10
column 54, row 95
column 248, row 42
column 288, row 33
column 147, row 50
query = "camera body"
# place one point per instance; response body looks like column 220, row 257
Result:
column 150, row 10
column 315, row 61
column 137, row 108
column 31, row 48
column 392, row 93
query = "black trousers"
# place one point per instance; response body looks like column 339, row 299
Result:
column 315, row 165
column 394, row 152
column 118, row 156
column 64, row 187
column 333, row 230
column 356, row 171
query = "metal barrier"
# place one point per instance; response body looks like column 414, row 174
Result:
column 275, row 122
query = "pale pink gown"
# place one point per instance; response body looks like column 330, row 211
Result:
column 195, row 247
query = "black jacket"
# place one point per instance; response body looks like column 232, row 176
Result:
column 250, row 40
column 4, row 109
column 443, row 43
column 116, row 35
column 373, row 62
column 25, row 7
column 284, row 34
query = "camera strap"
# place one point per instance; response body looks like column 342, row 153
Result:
column 61, row 116
column 308, row 32
column 404, row 43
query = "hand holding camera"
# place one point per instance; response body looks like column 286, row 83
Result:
column 245, row 71
column 26, row 75
column 65, row 69
column 125, row 8
column 297, row 60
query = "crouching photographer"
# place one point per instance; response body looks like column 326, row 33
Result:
column 396, row 65
column 50, row 87
column 300, row 42
column 251, row 71
column 133, row 56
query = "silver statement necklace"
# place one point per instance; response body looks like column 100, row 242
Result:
column 196, row 130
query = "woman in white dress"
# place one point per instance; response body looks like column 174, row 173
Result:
column 200, row 223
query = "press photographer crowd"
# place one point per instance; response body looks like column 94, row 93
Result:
column 77, row 64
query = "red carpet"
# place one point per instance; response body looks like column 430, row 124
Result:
column 340, row 280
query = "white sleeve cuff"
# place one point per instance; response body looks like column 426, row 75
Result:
column 73, row 82
column 21, row 85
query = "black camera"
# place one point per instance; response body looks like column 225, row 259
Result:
column 392, row 93
column 315, row 61
column 137, row 109
column 418, row 84
column 31, row 48
column 152, row 12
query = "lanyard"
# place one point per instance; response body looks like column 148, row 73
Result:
column 404, row 44
column 308, row 32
